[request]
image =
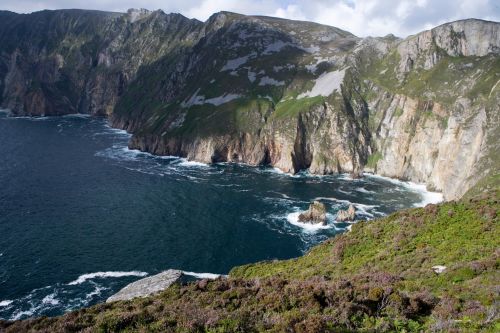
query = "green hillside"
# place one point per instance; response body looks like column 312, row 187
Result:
column 378, row 277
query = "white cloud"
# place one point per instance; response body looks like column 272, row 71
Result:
column 292, row 12
column 361, row 17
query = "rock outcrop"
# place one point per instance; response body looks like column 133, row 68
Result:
column 316, row 214
column 266, row 91
column 147, row 286
column 346, row 215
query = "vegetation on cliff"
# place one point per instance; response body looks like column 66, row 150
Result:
column 378, row 277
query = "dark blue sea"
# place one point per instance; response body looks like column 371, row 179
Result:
column 81, row 215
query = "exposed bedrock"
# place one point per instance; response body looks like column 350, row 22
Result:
column 266, row 91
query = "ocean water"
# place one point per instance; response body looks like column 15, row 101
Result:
column 81, row 215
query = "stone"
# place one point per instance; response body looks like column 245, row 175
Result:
column 315, row 214
column 438, row 269
column 147, row 286
column 346, row 215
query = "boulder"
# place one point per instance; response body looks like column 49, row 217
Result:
column 315, row 214
column 346, row 215
column 147, row 286
column 438, row 269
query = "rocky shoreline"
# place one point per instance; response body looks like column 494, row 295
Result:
column 360, row 108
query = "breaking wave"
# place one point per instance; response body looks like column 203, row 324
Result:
column 89, row 276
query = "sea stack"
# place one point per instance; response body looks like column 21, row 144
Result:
column 346, row 215
column 316, row 214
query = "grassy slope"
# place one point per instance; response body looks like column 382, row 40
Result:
column 376, row 277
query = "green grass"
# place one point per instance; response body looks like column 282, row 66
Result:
column 373, row 160
column 398, row 112
column 444, row 82
column 292, row 107
column 378, row 277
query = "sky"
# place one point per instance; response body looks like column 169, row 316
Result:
column 361, row 17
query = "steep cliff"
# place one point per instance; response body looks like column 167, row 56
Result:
column 261, row 90
column 434, row 104
column 77, row 61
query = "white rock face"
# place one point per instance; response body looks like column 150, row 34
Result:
column 416, row 144
column 326, row 84
column 461, row 38
column 147, row 286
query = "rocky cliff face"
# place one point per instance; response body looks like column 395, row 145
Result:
column 260, row 90
column 75, row 61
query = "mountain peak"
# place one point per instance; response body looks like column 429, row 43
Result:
column 135, row 14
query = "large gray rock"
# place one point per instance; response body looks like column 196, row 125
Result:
column 147, row 286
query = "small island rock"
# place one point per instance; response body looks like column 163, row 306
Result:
column 315, row 214
column 346, row 215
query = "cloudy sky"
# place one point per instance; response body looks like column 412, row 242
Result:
column 361, row 17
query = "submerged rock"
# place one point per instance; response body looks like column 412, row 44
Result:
column 346, row 215
column 315, row 214
column 147, row 286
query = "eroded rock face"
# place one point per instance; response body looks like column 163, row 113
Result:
column 315, row 214
column 147, row 286
column 322, row 99
column 346, row 215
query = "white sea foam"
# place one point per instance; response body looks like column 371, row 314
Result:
column 21, row 314
column 186, row 163
column 428, row 197
column 82, row 278
column 50, row 299
column 347, row 176
column 119, row 153
column 95, row 292
column 119, row 131
column 282, row 194
column 345, row 192
column 77, row 115
column 332, row 199
column 278, row 171
column 5, row 303
column 293, row 218
column 363, row 209
column 364, row 190
column 273, row 170
column 211, row 276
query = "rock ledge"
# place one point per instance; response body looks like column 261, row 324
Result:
column 147, row 286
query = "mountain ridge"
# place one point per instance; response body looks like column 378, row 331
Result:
column 293, row 94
